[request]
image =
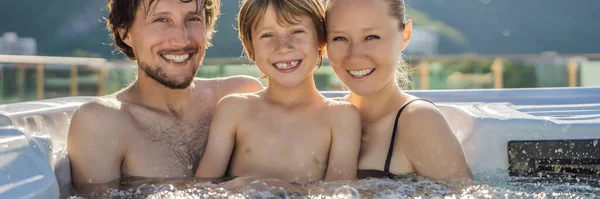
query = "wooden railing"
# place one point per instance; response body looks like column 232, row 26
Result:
column 497, row 66
column 102, row 67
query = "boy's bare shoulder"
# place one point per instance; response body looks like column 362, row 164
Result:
column 342, row 109
column 237, row 101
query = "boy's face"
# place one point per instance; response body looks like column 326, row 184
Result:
column 285, row 53
column 169, row 41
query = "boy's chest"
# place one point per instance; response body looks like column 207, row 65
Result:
column 291, row 147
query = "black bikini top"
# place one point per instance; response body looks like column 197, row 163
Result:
column 386, row 169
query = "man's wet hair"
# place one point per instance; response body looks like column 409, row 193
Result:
column 122, row 15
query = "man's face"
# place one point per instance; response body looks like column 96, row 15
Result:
column 169, row 39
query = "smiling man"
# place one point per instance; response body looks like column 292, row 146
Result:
column 158, row 125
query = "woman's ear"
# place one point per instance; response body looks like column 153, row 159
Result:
column 406, row 33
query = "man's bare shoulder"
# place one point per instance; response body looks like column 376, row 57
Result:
column 233, row 84
column 98, row 114
column 99, row 105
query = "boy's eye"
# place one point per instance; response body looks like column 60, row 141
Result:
column 267, row 35
column 298, row 31
column 340, row 39
column 370, row 37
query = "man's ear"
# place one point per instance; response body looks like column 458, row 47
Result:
column 126, row 39
column 406, row 33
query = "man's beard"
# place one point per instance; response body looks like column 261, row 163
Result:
column 161, row 77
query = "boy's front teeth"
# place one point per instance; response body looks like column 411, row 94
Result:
column 284, row 66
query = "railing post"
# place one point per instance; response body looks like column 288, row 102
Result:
column 424, row 74
column 102, row 75
column 572, row 71
column 21, row 83
column 74, row 81
column 2, row 82
column 40, row 81
column 498, row 71
column 222, row 70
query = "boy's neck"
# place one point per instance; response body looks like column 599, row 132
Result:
column 304, row 93
column 378, row 104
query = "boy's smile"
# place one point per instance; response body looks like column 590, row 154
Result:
column 287, row 66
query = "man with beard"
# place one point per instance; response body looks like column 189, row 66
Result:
column 157, row 126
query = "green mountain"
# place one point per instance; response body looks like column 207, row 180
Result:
column 75, row 27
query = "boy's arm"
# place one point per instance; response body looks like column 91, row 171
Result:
column 221, row 139
column 345, row 143
column 95, row 152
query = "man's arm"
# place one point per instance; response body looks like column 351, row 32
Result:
column 345, row 143
column 95, row 151
column 431, row 146
column 221, row 138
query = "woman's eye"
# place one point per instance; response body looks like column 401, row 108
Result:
column 340, row 39
column 370, row 37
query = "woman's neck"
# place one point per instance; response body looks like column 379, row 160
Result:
column 380, row 103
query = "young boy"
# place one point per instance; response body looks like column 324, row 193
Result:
column 287, row 131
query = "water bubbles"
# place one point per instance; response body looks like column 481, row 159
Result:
column 114, row 193
column 572, row 145
column 189, row 166
column 345, row 192
column 218, row 193
column 559, row 150
column 145, row 189
column 278, row 192
column 201, row 185
column 166, row 187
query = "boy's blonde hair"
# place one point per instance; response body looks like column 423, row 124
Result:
column 252, row 11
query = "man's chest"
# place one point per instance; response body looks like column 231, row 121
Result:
column 163, row 148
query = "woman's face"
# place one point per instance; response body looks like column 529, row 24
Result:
column 364, row 43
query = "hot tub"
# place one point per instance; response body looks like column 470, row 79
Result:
column 507, row 131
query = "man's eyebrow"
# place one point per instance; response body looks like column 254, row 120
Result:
column 167, row 13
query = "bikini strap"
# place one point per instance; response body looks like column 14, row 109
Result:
column 391, row 150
